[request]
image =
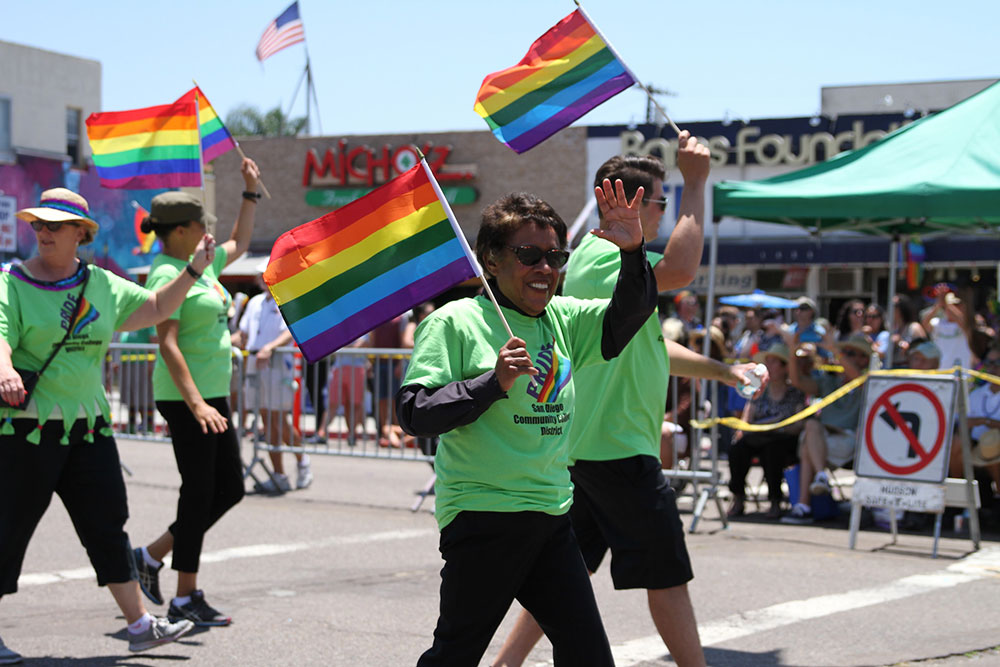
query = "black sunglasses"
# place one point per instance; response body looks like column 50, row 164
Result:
column 662, row 203
column 39, row 225
column 529, row 255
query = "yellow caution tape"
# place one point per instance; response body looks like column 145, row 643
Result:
column 740, row 425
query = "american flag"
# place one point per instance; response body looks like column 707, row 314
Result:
column 281, row 32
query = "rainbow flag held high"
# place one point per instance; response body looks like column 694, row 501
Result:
column 340, row 276
column 155, row 147
column 215, row 137
column 567, row 72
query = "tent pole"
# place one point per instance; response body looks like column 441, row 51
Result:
column 889, row 309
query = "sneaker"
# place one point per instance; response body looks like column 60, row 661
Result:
column 149, row 578
column 820, row 485
column 269, row 485
column 8, row 657
column 198, row 612
column 800, row 515
column 305, row 474
column 160, row 631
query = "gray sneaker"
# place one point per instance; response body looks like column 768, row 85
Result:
column 8, row 657
column 149, row 578
column 269, row 485
column 160, row 631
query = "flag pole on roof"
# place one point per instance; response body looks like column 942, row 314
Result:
column 638, row 81
column 231, row 138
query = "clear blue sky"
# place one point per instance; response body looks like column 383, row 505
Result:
column 398, row 66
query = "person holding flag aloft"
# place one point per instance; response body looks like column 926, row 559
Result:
column 501, row 405
column 191, row 387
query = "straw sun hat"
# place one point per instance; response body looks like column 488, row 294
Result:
column 61, row 205
column 988, row 449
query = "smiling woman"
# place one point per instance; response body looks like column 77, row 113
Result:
column 503, row 485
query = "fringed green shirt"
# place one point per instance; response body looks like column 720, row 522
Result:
column 34, row 317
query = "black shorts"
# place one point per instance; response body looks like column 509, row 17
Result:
column 628, row 506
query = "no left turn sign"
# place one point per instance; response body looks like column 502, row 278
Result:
column 906, row 428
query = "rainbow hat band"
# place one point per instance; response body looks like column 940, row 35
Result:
column 60, row 205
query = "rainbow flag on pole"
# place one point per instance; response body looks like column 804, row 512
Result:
column 155, row 147
column 215, row 137
column 342, row 275
column 567, row 72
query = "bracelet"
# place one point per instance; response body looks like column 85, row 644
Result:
column 191, row 272
column 251, row 196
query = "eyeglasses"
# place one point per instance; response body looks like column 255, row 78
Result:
column 662, row 203
column 39, row 225
column 529, row 255
column 991, row 362
column 804, row 307
column 873, row 316
column 859, row 311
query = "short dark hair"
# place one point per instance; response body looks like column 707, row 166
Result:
column 633, row 171
column 508, row 214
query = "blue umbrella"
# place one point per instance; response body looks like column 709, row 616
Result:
column 758, row 299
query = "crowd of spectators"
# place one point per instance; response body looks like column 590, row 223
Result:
column 810, row 356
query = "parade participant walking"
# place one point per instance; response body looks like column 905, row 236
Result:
column 621, row 499
column 57, row 317
column 191, row 388
column 503, row 486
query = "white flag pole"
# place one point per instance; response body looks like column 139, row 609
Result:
column 461, row 238
column 614, row 52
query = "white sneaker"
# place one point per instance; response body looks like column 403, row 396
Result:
column 279, row 484
column 304, row 476
column 820, row 485
column 8, row 657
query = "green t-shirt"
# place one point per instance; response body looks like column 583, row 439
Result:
column 632, row 387
column 514, row 457
column 203, row 334
column 34, row 317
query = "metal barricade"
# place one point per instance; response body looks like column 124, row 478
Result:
column 344, row 406
column 128, row 381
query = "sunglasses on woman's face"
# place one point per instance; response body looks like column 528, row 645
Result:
column 39, row 225
column 529, row 255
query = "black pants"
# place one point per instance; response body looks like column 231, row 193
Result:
column 775, row 451
column 211, row 477
column 88, row 478
column 492, row 558
column 317, row 379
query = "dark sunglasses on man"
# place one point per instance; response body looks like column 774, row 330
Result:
column 39, row 225
column 662, row 203
column 529, row 255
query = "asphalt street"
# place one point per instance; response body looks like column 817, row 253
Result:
column 343, row 573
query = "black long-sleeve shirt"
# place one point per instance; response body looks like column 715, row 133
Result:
column 428, row 412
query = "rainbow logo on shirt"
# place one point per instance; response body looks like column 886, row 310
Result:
column 557, row 372
column 86, row 315
column 221, row 292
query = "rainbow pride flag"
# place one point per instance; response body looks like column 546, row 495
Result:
column 340, row 276
column 147, row 242
column 215, row 137
column 155, row 147
column 567, row 72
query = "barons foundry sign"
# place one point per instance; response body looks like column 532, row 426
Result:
column 793, row 142
column 343, row 174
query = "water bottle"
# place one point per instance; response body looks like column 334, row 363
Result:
column 752, row 380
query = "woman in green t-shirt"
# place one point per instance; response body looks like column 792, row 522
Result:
column 191, row 389
column 57, row 315
column 501, row 406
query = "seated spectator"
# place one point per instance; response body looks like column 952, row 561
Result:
column 905, row 328
column 771, row 330
column 923, row 355
column 805, row 325
column 850, row 319
column 748, row 342
column 828, row 439
column 984, row 427
column 775, row 449
column 875, row 329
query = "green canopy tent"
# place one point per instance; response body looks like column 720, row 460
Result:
column 938, row 174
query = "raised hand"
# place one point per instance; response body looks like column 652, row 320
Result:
column 693, row 159
column 251, row 174
column 620, row 218
column 513, row 361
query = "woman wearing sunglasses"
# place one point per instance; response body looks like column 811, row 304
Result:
column 501, row 406
column 57, row 316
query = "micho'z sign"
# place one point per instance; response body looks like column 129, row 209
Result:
column 367, row 166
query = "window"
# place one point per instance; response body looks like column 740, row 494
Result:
column 6, row 142
column 73, row 118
